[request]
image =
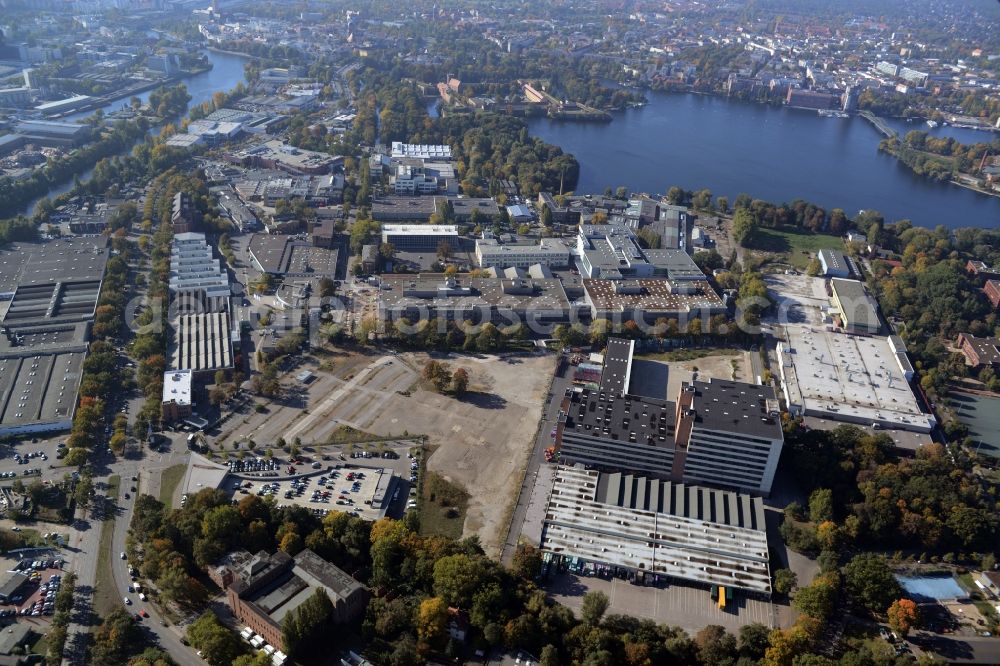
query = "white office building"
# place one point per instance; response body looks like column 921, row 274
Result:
column 550, row 252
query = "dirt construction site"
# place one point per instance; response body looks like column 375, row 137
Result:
column 481, row 441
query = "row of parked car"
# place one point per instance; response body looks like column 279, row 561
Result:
column 390, row 455
column 253, row 465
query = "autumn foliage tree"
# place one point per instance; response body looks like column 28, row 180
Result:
column 460, row 381
column 903, row 616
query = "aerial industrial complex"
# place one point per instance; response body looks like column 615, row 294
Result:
column 838, row 367
column 720, row 432
column 683, row 533
column 49, row 294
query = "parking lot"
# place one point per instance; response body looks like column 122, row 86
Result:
column 38, row 454
column 347, row 486
column 37, row 597
column 688, row 607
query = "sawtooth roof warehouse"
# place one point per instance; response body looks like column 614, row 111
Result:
column 686, row 532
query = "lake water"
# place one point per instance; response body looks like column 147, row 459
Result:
column 772, row 153
column 226, row 72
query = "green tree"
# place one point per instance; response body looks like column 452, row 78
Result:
column 818, row 599
column 444, row 250
column 744, row 226
column 870, row 582
column 460, row 381
column 593, row 607
column 116, row 638
column 303, row 627
column 715, row 645
column 257, row 659
column 82, row 491
column 219, row 645
column 457, row 577
column 821, row 505
column 600, row 330
column 77, row 457
column 546, row 216
column 784, row 581
column 754, row 640
column 489, row 338
column 432, row 620
column 327, row 287
column 549, row 656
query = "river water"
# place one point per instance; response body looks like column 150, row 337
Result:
column 226, row 72
column 772, row 153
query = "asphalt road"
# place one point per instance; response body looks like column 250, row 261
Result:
column 549, row 417
column 82, row 557
column 168, row 637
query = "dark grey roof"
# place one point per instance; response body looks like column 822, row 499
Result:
column 12, row 584
column 599, row 414
column 317, row 571
column 282, row 255
column 727, row 406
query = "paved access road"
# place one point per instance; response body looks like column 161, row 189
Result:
column 84, row 543
column 550, row 415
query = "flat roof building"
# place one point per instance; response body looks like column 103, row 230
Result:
column 682, row 532
column 177, row 394
column 63, row 105
column 276, row 154
column 38, row 383
column 465, row 206
column 420, row 209
column 53, row 132
column 458, row 298
column 53, row 290
column 12, row 636
column 14, row 583
column 420, row 150
column 612, row 252
column 314, row 190
column 403, row 209
column 834, row 263
column 646, row 300
column 721, row 433
column 854, row 379
column 855, row 307
column 284, row 256
column 419, row 237
column 549, row 252
column 979, row 352
column 59, row 261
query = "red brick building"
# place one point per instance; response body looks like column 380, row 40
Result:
column 264, row 589
column 979, row 352
column 992, row 291
column 979, row 269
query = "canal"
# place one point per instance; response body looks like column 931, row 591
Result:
column 771, row 153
